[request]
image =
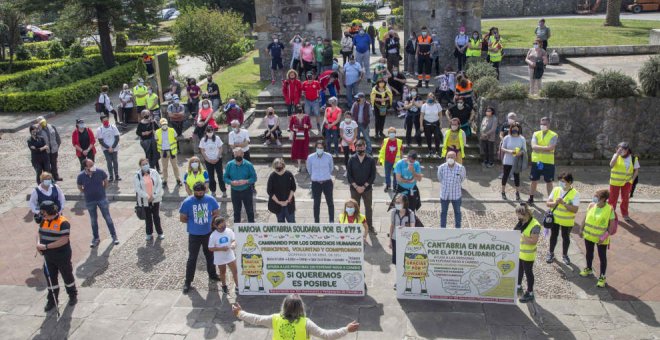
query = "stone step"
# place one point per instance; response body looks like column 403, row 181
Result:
column 261, row 158
column 375, row 145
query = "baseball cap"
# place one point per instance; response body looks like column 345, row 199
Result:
column 163, row 121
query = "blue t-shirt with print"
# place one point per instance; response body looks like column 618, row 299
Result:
column 200, row 213
column 401, row 168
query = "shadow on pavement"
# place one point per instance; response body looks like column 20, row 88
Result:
column 643, row 312
column 95, row 265
column 149, row 255
column 646, row 235
column 54, row 328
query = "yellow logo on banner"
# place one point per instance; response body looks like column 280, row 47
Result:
column 275, row 278
column 506, row 266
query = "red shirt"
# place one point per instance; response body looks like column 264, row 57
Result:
column 311, row 89
column 391, row 150
column 291, row 90
column 331, row 116
column 351, row 219
column 324, row 79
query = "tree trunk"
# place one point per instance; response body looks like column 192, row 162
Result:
column 103, row 22
column 335, row 7
column 612, row 17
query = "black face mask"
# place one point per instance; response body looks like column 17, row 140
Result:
column 361, row 152
column 279, row 168
column 199, row 197
column 238, row 159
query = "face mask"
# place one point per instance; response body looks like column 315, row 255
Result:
column 511, row 121
column 460, row 105
column 451, row 161
column 595, row 199
column 206, row 106
column 347, row 120
column 237, row 130
column 414, row 94
column 318, row 42
column 424, row 33
column 544, row 128
column 514, row 132
column 536, row 45
column 392, row 135
column 430, row 101
column 93, row 168
column 270, row 113
column 238, row 159
column 145, row 168
column 150, row 91
column 106, row 123
column 82, row 125
column 461, row 33
column 398, row 206
column 454, row 127
column 395, row 73
column 562, row 185
column 276, row 40
column 145, row 117
column 164, row 127
column 209, row 134
column 176, row 101
column 279, row 168
column 195, row 165
column 47, row 182
column 350, row 211
column 297, row 40
column 360, row 152
column 475, row 36
column 319, row 152
column 141, row 83
column 433, row 35
column 361, row 32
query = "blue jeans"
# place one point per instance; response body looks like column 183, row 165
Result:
column 104, row 206
column 285, row 216
column 363, row 132
column 444, row 206
column 351, row 90
column 332, row 136
column 324, row 97
column 389, row 175
column 312, row 107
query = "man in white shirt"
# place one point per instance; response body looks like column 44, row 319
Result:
column 239, row 138
column 108, row 137
column 348, row 134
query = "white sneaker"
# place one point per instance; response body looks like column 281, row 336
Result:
column 401, row 115
column 279, row 143
column 161, row 237
column 266, row 143
column 148, row 238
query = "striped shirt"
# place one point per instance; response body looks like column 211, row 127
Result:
column 451, row 179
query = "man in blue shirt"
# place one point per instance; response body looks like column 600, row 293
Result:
column 362, row 42
column 274, row 50
column 352, row 77
column 408, row 172
column 320, row 166
column 197, row 212
column 240, row 176
column 92, row 183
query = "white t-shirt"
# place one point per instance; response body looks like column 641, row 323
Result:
column 576, row 199
column 222, row 239
column 238, row 138
column 165, row 140
column 348, row 130
column 126, row 96
column 628, row 160
column 107, row 135
column 431, row 112
column 211, row 148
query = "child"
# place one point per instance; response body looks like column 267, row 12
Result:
column 222, row 243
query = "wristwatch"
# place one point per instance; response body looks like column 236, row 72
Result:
column 46, row 246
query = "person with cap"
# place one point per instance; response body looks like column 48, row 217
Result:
column 408, row 172
column 140, row 92
column 53, row 243
column 52, row 137
column 451, row 175
column 38, row 152
column 92, row 183
column 311, row 91
column 241, row 176
column 624, row 169
column 84, row 142
column 176, row 115
column 320, row 166
column 197, row 211
column 108, row 137
column 361, row 174
column 353, row 74
column 167, row 146
column 47, row 190
column 149, row 190
column 292, row 91
column 361, row 112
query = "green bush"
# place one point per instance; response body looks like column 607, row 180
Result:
column 42, row 54
column 76, row 51
column 23, row 65
column 350, row 14
column 560, row 89
column 22, row 53
column 243, row 99
column 352, row 11
column 398, row 11
column 55, row 50
column 611, row 84
column 513, row 91
column 478, row 68
column 121, row 42
column 649, row 76
column 35, row 47
column 486, row 87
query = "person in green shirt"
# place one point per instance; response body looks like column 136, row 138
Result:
column 318, row 54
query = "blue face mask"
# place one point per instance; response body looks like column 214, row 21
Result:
column 319, row 152
column 350, row 211
column 562, row 185
column 47, row 182
column 430, row 101
column 595, row 199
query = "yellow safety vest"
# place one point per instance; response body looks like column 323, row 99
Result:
column 381, row 154
column 619, row 175
column 171, row 136
column 563, row 217
column 140, row 91
column 474, row 52
column 528, row 251
column 343, row 219
column 192, row 178
column 596, row 224
column 495, row 56
column 283, row 329
column 152, row 101
column 445, row 144
column 547, row 157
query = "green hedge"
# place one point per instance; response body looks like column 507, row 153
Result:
column 13, row 79
column 135, row 49
column 63, row 98
column 22, row 65
column 36, row 48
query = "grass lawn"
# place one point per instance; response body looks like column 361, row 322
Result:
column 242, row 76
column 574, row 32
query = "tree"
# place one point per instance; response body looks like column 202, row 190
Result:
column 213, row 36
column 244, row 7
column 11, row 17
column 613, row 14
column 335, row 7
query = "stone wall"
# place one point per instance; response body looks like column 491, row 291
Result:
column 589, row 128
column 515, row 8
column 286, row 18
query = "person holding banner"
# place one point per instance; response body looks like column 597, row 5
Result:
column 222, row 243
column 291, row 322
column 351, row 215
column 530, row 230
column 401, row 217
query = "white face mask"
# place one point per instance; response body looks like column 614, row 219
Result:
column 350, row 211
column 276, row 40
column 392, row 135
column 195, row 165
column 398, row 206
column 93, row 168
column 451, row 161
column 47, row 182
column 460, row 106
column 511, row 121
column 145, row 168
column 536, row 45
column 595, row 199
column 319, row 152
column 413, row 93
column 454, row 127
column 237, row 130
column 206, row 106
column 209, row 134
column 544, row 128
column 347, row 120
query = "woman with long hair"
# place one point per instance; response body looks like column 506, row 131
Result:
column 195, row 173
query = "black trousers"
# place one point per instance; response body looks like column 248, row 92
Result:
column 487, row 151
column 126, row 112
column 496, row 65
column 240, row 199
column 194, row 243
column 40, row 165
column 213, row 170
column 436, row 65
column 345, row 56
column 53, row 165
column 602, row 255
column 178, row 127
column 554, row 236
column 462, row 60
column 152, row 218
column 423, row 66
column 151, row 152
column 380, row 124
column 526, row 268
column 82, row 159
column 544, row 44
column 58, row 261
column 347, row 155
column 324, row 187
column 433, row 134
column 506, row 171
column 413, row 120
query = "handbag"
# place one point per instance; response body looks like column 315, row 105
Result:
column 549, row 217
column 140, row 213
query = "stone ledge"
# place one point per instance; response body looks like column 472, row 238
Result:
column 654, row 37
column 592, row 51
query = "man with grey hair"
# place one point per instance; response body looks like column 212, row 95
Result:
column 49, row 133
column 241, row 176
column 451, row 175
column 239, row 138
column 233, row 111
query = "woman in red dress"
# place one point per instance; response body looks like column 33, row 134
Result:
column 299, row 126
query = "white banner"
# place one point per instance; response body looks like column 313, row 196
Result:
column 306, row 259
column 473, row 265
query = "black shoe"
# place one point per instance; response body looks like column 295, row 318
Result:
column 387, row 188
column 528, row 297
column 164, row 184
column 504, row 196
column 550, row 258
column 186, row 288
column 117, row 178
column 73, row 299
column 178, row 182
column 236, row 290
column 517, row 196
column 372, row 231
column 419, row 84
column 49, row 305
column 60, row 179
column 214, row 278
column 225, row 289
column 111, row 179
column 530, row 200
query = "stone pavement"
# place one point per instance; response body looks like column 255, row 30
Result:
column 629, row 65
